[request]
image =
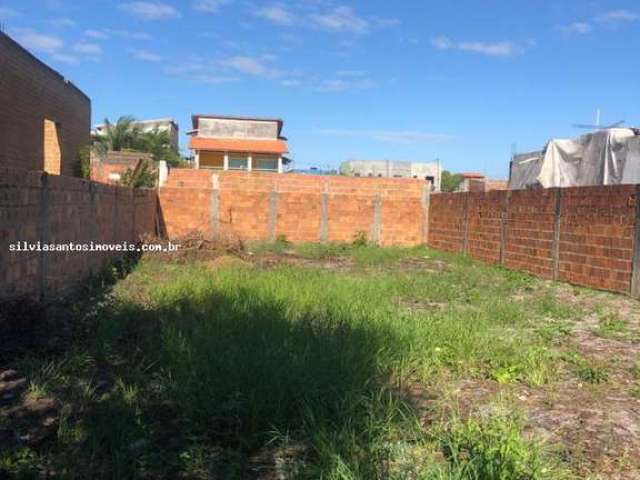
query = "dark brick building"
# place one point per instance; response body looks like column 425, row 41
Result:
column 44, row 118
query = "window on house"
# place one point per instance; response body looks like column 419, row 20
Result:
column 429, row 178
column 265, row 162
column 238, row 162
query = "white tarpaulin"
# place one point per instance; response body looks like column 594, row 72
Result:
column 605, row 157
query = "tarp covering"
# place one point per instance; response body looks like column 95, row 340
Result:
column 605, row 157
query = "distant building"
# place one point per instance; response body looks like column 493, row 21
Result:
column 168, row 125
column 477, row 182
column 430, row 171
column 111, row 166
column 315, row 171
column 238, row 143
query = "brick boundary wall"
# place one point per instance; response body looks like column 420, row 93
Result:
column 36, row 207
column 258, row 206
column 587, row 236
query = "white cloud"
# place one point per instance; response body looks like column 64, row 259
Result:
column 278, row 14
column 99, row 34
column 497, row 49
column 37, row 41
column 405, row 137
column 65, row 58
column 341, row 19
column 150, row 10
column 575, row 28
column 619, row 16
column 7, row 13
column 199, row 70
column 62, row 22
column 209, row 6
column 256, row 66
column 346, row 85
column 85, row 48
column 146, row 55
column 442, row 43
column 106, row 33
column 291, row 83
column 500, row 49
column 213, row 79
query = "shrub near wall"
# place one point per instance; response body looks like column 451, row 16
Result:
column 36, row 207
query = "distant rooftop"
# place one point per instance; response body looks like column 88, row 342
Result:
column 194, row 119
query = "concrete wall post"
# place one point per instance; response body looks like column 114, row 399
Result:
column 376, row 227
column 635, row 275
column 504, row 224
column 214, row 208
column 555, row 248
column 324, row 214
column 465, row 245
column 43, row 234
column 426, row 204
column 273, row 213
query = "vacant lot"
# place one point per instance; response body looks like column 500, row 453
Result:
column 334, row 362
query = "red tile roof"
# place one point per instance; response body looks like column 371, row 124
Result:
column 238, row 145
column 471, row 175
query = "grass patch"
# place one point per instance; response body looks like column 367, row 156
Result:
column 185, row 372
column 612, row 326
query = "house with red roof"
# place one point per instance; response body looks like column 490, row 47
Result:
column 225, row 142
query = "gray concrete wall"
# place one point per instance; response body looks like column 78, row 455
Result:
column 233, row 128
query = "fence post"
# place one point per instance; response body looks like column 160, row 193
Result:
column 377, row 220
column 93, row 225
column 324, row 214
column 426, row 204
column 504, row 223
column 555, row 249
column 465, row 245
column 273, row 213
column 43, row 233
column 133, row 215
column 115, row 214
column 214, row 208
column 635, row 275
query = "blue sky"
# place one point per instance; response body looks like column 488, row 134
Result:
column 407, row 80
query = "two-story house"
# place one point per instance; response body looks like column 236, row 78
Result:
column 238, row 143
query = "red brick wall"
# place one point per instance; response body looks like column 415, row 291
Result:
column 447, row 221
column 245, row 202
column 596, row 236
column 582, row 235
column 485, row 225
column 67, row 209
column 530, row 227
column 31, row 92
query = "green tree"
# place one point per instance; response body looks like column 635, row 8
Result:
column 450, row 181
column 158, row 143
column 126, row 135
column 144, row 175
column 122, row 135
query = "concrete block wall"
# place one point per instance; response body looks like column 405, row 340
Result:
column 39, row 108
column 303, row 208
column 36, row 207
